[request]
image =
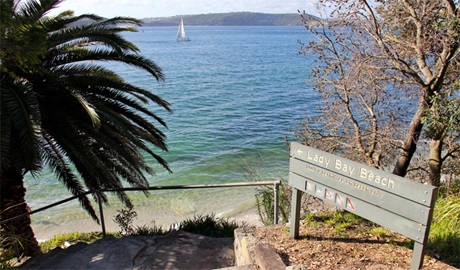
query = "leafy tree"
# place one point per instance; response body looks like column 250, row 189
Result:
column 356, row 117
column 62, row 109
column 442, row 123
column 380, row 60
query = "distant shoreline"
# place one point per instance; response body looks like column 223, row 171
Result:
column 233, row 19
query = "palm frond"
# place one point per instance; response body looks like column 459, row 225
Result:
column 152, row 133
column 34, row 11
column 93, row 33
column 84, row 75
column 21, row 113
column 88, row 108
column 134, row 60
column 53, row 156
column 120, row 21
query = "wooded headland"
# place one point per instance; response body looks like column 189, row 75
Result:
column 231, row 19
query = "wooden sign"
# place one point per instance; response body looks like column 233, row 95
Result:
column 394, row 202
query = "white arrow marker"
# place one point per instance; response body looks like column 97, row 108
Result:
column 299, row 151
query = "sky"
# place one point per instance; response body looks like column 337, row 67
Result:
column 166, row 8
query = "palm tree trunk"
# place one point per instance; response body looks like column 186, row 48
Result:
column 16, row 235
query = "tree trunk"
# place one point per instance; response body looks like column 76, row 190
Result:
column 411, row 140
column 16, row 235
column 435, row 163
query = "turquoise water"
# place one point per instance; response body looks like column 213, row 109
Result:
column 236, row 92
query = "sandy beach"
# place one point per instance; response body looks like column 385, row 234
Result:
column 245, row 214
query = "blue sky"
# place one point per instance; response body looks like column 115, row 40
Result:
column 165, row 8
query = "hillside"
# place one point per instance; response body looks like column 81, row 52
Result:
column 230, row 19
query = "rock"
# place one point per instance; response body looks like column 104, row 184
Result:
column 177, row 250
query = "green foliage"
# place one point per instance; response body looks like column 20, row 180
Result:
column 72, row 238
column 209, row 225
column 10, row 245
column 447, row 211
column 310, row 218
column 150, row 231
column 265, row 195
column 124, row 219
column 443, row 116
column 380, row 232
column 265, row 203
column 341, row 221
column 335, row 217
column 452, row 187
column 445, row 229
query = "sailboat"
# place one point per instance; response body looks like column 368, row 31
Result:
column 181, row 36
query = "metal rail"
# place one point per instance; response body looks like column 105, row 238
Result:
column 198, row 186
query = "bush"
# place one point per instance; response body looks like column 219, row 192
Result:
column 150, row 231
column 209, row 225
column 265, row 203
column 265, row 195
column 124, row 219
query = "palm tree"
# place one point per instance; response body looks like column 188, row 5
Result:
column 61, row 109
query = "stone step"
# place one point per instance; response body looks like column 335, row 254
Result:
column 177, row 250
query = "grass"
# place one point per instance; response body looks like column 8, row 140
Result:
column 61, row 239
column 444, row 239
column 379, row 232
column 349, row 225
column 341, row 221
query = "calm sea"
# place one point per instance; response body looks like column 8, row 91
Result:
column 236, row 93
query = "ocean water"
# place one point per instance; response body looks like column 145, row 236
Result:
column 236, row 93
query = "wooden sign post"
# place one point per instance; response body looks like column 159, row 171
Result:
column 394, row 202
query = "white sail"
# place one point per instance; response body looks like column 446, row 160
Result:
column 181, row 36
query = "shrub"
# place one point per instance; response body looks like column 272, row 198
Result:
column 265, row 203
column 209, row 225
column 265, row 194
column 124, row 219
column 150, row 231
